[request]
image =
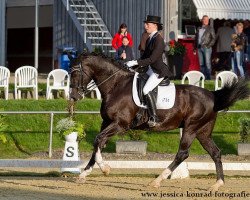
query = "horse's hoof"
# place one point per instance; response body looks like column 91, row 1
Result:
column 155, row 184
column 215, row 187
column 106, row 170
column 80, row 180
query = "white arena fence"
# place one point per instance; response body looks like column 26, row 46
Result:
column 180, row 172
column 52, row 113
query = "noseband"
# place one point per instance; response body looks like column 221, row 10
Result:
column 81, row 89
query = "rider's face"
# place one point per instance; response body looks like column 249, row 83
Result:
column 150, row 27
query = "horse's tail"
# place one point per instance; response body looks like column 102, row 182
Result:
column 230, row 93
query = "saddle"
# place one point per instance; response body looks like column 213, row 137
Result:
column 164, row 94
column 141, row 81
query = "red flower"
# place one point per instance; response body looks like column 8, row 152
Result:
column 171, row 43
column 176, row 48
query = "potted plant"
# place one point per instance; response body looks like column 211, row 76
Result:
column 135, row 145
column 244, row 145
column 175, row 57
column 70, row 130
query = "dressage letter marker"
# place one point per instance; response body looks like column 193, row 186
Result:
column 71, row 154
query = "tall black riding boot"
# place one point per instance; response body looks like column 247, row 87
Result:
column 153, row 119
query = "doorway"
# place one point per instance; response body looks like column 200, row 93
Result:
column 21, row 41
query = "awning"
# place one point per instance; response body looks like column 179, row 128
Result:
column 223, row 9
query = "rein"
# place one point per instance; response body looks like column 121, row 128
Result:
column 92, row 86
column 71, row 104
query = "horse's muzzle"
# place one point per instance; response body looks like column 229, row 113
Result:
column 75, row 95
column 77, row 92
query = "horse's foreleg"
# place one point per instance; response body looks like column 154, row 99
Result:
column 99, row 143
column 88, row 169
column 98, row 157
column 182, row 154
column 105, row 168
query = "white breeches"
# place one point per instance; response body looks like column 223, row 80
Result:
column 152, row 81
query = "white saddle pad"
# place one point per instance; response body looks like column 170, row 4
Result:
column 165, row 96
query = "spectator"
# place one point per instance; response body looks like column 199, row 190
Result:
column 238, row 45
column 204, row 40
column 224, row 40
column 247, row 32
column 125, row 52
column 142, row 44
column 117, row 39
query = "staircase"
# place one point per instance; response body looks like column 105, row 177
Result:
column 96, row 30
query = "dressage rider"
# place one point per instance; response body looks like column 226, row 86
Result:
column 152, row 58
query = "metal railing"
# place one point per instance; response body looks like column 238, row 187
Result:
column 52, row 113
column 95, row 28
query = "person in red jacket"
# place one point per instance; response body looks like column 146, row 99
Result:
column 117, row 39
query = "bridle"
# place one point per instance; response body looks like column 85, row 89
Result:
column 81, row 89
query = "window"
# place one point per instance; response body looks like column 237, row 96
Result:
column 187, row 15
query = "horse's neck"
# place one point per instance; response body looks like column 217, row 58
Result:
column 107, row 79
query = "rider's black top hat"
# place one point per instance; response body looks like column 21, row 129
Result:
column 155, row 20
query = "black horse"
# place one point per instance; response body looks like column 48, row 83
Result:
column 195, row 110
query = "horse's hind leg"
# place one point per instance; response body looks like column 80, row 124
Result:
column 209, row 145
column 183, row 152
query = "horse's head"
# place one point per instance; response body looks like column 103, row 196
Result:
column 95, row 67
column 79, row 79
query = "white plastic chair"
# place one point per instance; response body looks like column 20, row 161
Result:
column 26, row 77
column 92, row 86
column 194, row 78
column 4, row 80
column 224, row 77
column 60, row 79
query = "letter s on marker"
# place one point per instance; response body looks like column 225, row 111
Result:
column 70, row 151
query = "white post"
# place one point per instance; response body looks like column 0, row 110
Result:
column 67, row 5
column 51, row 134
column 36, row 33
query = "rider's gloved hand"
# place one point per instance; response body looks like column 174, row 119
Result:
column 131, row 63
